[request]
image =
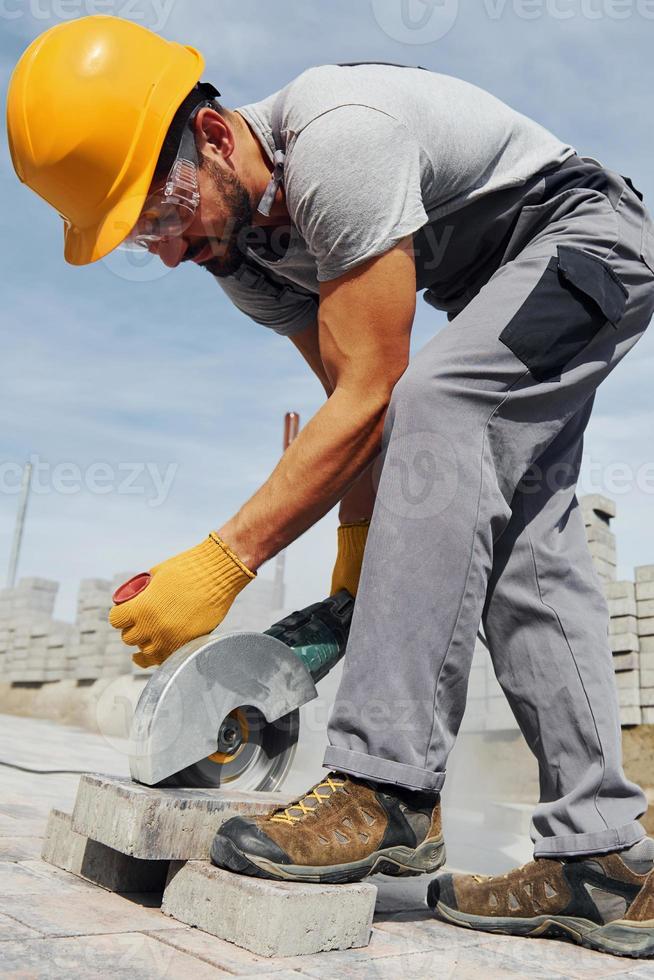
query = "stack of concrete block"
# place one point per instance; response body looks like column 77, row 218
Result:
column 93, row 602
column 25, row 608
column 645, row 611
column 597, row 513
column 97, row 654
column 625, row 644
column 127, row 837
column 40, row 651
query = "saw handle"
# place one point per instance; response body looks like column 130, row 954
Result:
column 132, row 587
column 318, row 634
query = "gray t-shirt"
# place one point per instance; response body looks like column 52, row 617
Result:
column 372, row 154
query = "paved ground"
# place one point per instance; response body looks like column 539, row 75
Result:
column 53, row 925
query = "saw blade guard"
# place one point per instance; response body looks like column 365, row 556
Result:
column 181, row 713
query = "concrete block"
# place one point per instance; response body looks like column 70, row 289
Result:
column 623, row 624
column 27, row 675
column 605, row 552
column 95, row 862
column 598, row 504
column 598, row 532
column 628, row 680
column 160, row 824
column 644, row 590
column 648, row 716
column 645, row 573
column 647, row 678
column 95, row 599
column 622, row 607
column 646, row 626
column 624, row 642
column 271, row 918
column 629, row 697
column 620, row 590
column 645, row 608
column 626, row 661
column 630, row 716
column 647, row 697
column 605, row 570
column 647, row 646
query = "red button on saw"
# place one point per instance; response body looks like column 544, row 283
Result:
column 131, row 588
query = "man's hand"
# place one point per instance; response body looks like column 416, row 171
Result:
column 351, row 546
column 188, row 596
column 364, row 329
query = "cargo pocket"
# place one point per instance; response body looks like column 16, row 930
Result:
column 575, row 297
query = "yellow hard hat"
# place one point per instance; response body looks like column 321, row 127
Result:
column 88, row 107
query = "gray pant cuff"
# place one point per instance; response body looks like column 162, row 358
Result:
column 601, row 842
column 372, row 767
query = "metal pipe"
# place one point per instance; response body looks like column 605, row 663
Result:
column 291, row 429
column 20, row 525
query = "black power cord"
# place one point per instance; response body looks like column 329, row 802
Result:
column 48, row 772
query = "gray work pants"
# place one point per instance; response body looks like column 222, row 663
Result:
column 476, row 520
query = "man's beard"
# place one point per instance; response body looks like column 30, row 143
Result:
column 230, row 248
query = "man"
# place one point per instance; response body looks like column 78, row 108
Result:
column 321, row 211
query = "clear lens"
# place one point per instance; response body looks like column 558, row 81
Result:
column 156, row 223
column 168, row 212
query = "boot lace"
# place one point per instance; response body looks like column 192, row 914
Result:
column 314, row 797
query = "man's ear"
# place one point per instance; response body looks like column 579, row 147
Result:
column 214, row 135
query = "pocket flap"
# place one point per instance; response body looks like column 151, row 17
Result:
column 594, row 277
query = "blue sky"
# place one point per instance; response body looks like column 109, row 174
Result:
column 112, row 366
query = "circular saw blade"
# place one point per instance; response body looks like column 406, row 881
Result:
column 185, row 713
column 258, row 762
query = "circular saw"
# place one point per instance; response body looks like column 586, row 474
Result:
column 224, row 709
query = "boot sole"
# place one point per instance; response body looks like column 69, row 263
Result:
column 620, row 938
column 397, row 861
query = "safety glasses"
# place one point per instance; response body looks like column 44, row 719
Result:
column 169, row 211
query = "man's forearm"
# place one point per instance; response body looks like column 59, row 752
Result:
column 314, row 473
column 358, row 501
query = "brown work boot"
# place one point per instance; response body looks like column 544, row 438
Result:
column 601, row 901
column 343, row 829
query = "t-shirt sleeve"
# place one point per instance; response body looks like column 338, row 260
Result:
column 283, row 308
column 353, row 186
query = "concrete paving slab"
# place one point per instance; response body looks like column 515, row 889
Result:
column 242, row 962
column 272, row 918
column 12, row 929
column 20, row 848
column 423, row 930
column 556, row 958
column 159, row 824
column 124, row 957
column 442, row 964
column 12, row 827
column 56, row 903
column 98, row 863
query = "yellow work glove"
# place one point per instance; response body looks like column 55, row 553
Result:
column 188, row 596
column 351, row 545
